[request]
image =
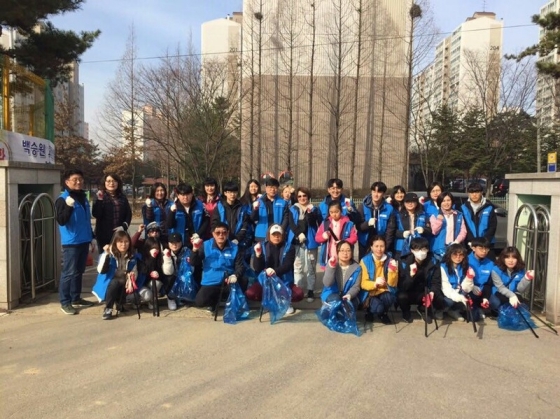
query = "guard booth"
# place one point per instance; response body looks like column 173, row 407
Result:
column 534, row 220
column 29, row 244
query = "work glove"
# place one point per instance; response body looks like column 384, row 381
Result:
column 131, row 283
column 232, row 279
column 196, row 242
column 422, row 200
column 154, row 275
column 427, row 299
column 70, row 201
column 173, row 206
column 530, row 275
column 477, row 291
column 106, row 248
column 393, row 265
column 100, row 195
column 420, row 230
column 388, row 199
column 380, row 282
column 258, row 250
column 310, row 208
column 326, row 235
column 269, row 271
column 166, row 253
column 256, row 204
column 235, row 241
column 413, row 269
column 148, row 202
column 463, row 299
column 348, row 204
column 470, row 274
column 485, row 303
column 406, row 234
column 154, row 253
column 347, row 297
column 332, row 262
column 514, row 301
column 301, row 237
column 371, row 222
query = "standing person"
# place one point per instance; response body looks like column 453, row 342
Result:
column 335, row 228
column 397, row 198
column 418, row 272
column 334, row 188
column 342, row 276
column 411, row 223
column 287, row 193
column 156, row 207
column 269, row 209
column 210, row 199
column 274, row 256
column 232, row 212
column 480, row 217
column 379, row 278
column 252, row 192
column 431, row 206
column 187, row 215
column 115, row 267
column 448, row 226
column 220, row 260
column 111, row 210
column 454, row 269
column 378, row 219
column 304, row 221
column 74, row 224
column 479, row 287
column 509, row 277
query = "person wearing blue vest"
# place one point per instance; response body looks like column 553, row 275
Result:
column 304, row 221
column 335, row 228
column 342, row 276
column 229, row 210
column 454, row 269
column 274, row 256
column 431, row 205
column 480, row 217
column 411, row 223
column 73, row 216
column 334, row 188
column 269, row 209
column 378, row 219
column 448, row 225
column 156, row 207
column 417, row 272
column 220, row 260
column 187, row 215
column 479, row 287
column 116, row 273
column 379, row 280
column 509, row 277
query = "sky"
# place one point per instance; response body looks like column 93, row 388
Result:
column 164, row 24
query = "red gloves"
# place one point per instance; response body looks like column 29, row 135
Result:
column 427, row 299
column 332, row 262
column 470, row 274
column 154, row 275
column 393, row 265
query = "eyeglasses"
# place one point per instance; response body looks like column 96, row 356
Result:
column 302, row 196
column 110, row 181
column 76, row 180
column 220, row 233
column 345, row 251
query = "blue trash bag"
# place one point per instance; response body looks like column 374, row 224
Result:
column 251, row 276
column 276, row 296
column 339, row 316
column 237, row 307
column 510, row 319
column 185, row 287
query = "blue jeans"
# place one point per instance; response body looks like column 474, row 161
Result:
column 381, row 303
column 73, row 266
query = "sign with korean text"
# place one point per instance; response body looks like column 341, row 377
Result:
column 24, row 148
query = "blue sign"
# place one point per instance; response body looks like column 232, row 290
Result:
column 551, row 167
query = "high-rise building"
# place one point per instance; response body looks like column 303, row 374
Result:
column 547, row 106
column 322, row 90
column 465, row 72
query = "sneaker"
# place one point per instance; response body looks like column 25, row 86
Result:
column 407, row 317
column 455, row 315
column 439, row 315
column 68, row 309
column 385, row 319
column 82, row 303
column 171, row 305
column 291, row 310
column 369, row 317
column 310, row 296
column 107, row 314
column 420, row 310
column 121, row 309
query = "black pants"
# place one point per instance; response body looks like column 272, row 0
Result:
column 115, row 292
column 208, row 295
column 407, row 298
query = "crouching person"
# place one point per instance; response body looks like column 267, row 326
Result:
column 379, row 279
column 153, row 265
column 276, row 257
column 342, row 276
column 220, row 260
column 117, row 270
column 419, row 273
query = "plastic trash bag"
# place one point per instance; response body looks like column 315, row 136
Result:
column 237, row 307
column 339, row 316
column 510, row 319
column 277, row 296
column 185, row 288
column 251, row 276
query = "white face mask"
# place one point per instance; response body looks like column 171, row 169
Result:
column 420, row 255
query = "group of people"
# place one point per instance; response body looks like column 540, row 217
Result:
column 411, row 251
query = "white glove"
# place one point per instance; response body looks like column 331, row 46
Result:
column 326, row 235
column 462, row 299
column 467, row 285
column 269, row 271
column 514, row 301
column 485, row 303
column 148, row 202
column 100, row 195
column 420, row 230
column 380, row 282
column 470, row 274
column 310, row 208
column 195, row 236
column 388, row 199
column 235, row 241
column 371, row 222
column 173, row 207
column 154, row 275
column 154, row 253
column 232, row 279
column 348, row 205
column 476, row 290
column 166, row 253
column 530, row 275
column 70, row 201
column 393, row 266
column 347, row 297
column 258, row 250
column 196, row 243
column 332, row 262
column 301, row 237
column 256, row 204
column 406, row 234
column 413, row 269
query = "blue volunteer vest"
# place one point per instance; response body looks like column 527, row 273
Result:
column 78, row 228
column 480, row 229
column 385, row 212
column 438, row 244
column 217, row 263
column 278, row 207
column 311, row 230
column 511, row 282
column 324, row 251
column 333, row 289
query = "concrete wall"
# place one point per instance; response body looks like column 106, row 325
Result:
column 540, row 188
column 16, row 177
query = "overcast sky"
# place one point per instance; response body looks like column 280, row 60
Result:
column 161, row 25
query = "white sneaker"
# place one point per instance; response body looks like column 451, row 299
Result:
column 171, row 304
column 291, row 310
column 455, row 315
